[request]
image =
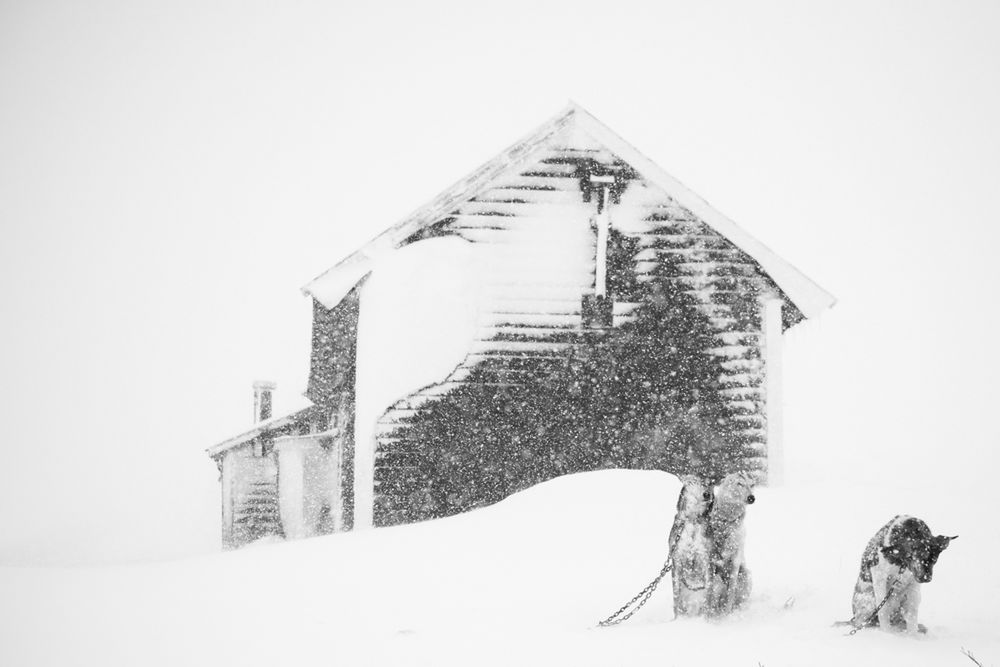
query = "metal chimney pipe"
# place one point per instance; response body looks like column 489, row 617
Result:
column 263, row 394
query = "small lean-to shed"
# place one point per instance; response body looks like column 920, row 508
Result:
column 567, row 307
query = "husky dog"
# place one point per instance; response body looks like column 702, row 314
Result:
column 690, row 548
column 730, row 579
column 897, row 560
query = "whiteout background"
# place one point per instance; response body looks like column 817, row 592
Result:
column 171, row 174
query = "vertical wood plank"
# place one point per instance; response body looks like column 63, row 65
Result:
column 774, row 397
column 226, row 479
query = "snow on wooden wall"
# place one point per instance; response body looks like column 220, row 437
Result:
column 293, row 476
column 537, row 230
column 332, row 382
column 249, row 495
column 568, row 306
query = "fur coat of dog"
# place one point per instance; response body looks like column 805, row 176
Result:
column 690, row 547
column 899, row 558
column 729, row 587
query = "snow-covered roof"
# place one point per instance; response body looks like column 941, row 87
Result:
column 331, row 286
column 261, row 427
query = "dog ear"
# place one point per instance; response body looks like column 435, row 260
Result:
column 942, row 541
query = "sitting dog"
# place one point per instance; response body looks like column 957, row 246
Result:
column 690, row 547
column 897, row 560
column 730, row 579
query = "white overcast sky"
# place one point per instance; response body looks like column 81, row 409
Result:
column 172, row 173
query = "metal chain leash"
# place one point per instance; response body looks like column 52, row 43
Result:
column 874, row 614
column 644, row 594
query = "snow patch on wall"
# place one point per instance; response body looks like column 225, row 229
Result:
column 418, row 319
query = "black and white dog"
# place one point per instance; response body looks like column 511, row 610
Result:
column 897, row 560
column 691, row 547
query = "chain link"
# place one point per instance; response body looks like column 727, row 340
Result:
column 644, row 594
column 874, row 614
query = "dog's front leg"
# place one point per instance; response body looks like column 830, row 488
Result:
column 732, row 593
column 908, row 609
column 717, row 589
column 727, row 588
column 880, row 586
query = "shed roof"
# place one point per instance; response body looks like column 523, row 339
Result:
column 260, row 428
column 331, row 286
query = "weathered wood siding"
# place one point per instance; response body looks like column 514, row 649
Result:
column 332, row 385
column 250, row 475
column 249, row 495
column 539, row 226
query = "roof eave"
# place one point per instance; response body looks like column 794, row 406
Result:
column 808, row 297
column 441, row 205
column 260, row 428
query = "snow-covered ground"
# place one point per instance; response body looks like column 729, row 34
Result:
column 520, row 583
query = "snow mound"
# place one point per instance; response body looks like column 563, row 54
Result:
column 522, row 582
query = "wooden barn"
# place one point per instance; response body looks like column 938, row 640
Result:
column 566, row 307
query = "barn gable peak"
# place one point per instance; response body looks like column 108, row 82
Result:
column 576, row 127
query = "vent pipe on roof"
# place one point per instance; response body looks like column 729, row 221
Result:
column 263, row 394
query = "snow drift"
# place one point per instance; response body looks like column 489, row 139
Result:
column 522, row 582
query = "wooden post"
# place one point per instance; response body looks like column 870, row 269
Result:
column 602, row 223
column 225, row 463
column 291, row 491
column 364, row 479
column 597, row 309
column 773, row 398
column 601, row 269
